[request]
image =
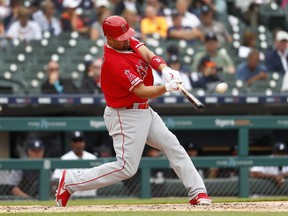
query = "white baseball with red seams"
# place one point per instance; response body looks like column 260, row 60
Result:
column 221, row 88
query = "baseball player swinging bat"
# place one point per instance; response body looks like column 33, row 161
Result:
column 195, row 102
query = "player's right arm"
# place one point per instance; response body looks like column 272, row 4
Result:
column 149, row 92
column 279, row 179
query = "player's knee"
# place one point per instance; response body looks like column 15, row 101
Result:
column 130, row 171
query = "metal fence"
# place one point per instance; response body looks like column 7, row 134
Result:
column 155, row 178
column 229, row 176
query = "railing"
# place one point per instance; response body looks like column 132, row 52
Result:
column 241, row 123
column 173, row 98
column 46, row 165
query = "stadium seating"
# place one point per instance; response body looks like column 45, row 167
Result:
column 72, row 50
column 272, row 16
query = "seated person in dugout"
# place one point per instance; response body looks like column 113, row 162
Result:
column 25, row 183
column 77, row 152
column 275, row 173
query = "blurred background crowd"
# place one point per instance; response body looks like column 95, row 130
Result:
column 55, row 46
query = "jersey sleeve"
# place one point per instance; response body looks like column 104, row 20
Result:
column 15, row 177
column 257, row 169
column 135, row 43
column 129, row 79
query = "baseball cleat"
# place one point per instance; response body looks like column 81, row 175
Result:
column 62, row 194
column 201, row 199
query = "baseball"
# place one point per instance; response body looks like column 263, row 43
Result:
column 221, row 88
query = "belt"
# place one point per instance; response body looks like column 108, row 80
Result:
column 137, row 106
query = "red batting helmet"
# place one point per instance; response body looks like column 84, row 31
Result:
column 117, row 28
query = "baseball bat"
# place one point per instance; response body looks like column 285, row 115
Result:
column 195, row 102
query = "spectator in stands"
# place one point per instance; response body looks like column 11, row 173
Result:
column 223, row 60
column 71, row 20
column 151, row 23
column 133, row 20
column 54, row 84
column 276, row 60
column 5, row 10
column 219, row 8
column 96, row 31
column 179, row 32
column 77, row 152
column 196, row 5
column 163, row 7
column 48, row 22
column 10, row 12
column 3, row 40
column 249, row 42
column 131, row 5
column 249, row 11
column 35, row 10
column 252, row 69
column 188, row 18
column 209, row 24
column 275, row 173
column 101, row 6
column 25, row 183
column 91, row 79
column 24, row 29
column 208, row 77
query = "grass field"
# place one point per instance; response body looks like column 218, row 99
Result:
column 141, row 207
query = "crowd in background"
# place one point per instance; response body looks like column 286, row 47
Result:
column 197, row 22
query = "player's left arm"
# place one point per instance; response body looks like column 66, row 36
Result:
column 146, row 54
column 156, row 62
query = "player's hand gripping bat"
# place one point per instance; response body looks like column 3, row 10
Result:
column 195, row 102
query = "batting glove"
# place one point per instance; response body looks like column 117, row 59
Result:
column 173, row 85
column 170, row 74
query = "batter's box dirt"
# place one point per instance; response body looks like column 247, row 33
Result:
column 273, row 206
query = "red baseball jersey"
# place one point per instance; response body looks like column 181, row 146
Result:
column 121, row 72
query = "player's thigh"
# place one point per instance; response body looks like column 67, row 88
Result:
column 160, row 136
column 129, row 130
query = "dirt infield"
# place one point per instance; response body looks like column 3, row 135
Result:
column 275, row 206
